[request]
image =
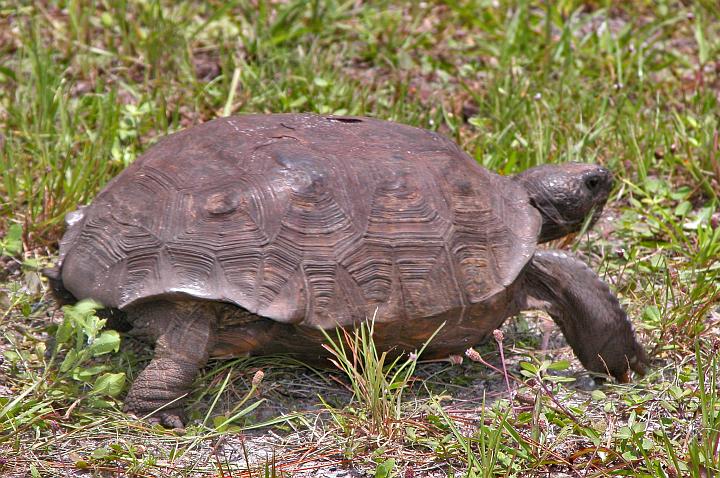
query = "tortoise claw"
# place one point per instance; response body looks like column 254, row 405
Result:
column 169, row 419
column 172, row 418
column 638, row 364
column 624, row 377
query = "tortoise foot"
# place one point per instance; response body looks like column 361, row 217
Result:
column 172, row 418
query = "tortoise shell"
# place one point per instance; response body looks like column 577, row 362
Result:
column 304, row 219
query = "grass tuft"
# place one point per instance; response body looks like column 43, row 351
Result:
column 377, row 381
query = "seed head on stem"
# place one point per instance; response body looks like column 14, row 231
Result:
column 499, row 337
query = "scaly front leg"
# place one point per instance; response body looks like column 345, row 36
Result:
column 587, row 312
column 184, row 335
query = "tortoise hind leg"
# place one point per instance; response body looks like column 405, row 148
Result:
column 184, row 333
column 589, row 315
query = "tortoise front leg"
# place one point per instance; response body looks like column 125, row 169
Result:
column 587, row 312
column 184, row 335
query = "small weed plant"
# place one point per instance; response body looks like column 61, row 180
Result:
column 377, row 381
column 79, row 341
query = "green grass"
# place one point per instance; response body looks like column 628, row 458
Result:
column 86, row 86
column 377, row 381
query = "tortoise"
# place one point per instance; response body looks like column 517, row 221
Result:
column 252, row 234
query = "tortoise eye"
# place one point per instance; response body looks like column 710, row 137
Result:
column 592, row 183
column 597, row 180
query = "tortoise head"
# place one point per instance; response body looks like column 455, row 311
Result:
column 565, row 195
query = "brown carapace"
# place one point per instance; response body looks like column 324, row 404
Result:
column 249, row 234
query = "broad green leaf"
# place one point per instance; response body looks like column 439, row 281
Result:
column 559, row 365
column 598, row 395
column 11, row 244
column 107, row 341
column 86, row 372
column 530, row 367
column 100, row 453
column 70, row 360
column 385, row 469
column 109, row 384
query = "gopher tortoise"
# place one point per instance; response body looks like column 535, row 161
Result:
column 252, row 234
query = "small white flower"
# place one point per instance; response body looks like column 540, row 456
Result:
column 257, row 378
column 473, row 355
